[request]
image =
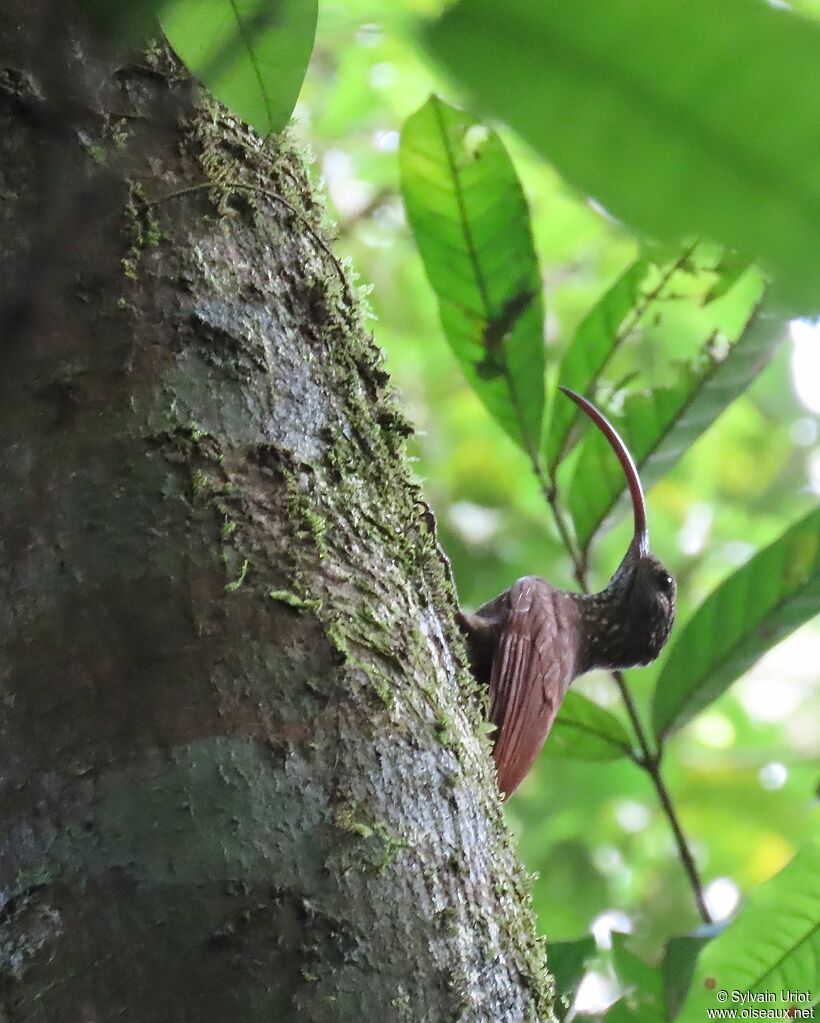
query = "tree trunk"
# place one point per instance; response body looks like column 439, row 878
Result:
column 240, row 777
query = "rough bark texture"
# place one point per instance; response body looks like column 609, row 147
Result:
column 239, row 771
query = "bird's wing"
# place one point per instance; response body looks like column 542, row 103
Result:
column 531, row 672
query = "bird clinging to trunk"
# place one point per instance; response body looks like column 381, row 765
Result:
column 531, row 641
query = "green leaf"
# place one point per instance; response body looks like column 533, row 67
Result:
column 647, row 299
column 751, row 611
column 642, row 984
column 566, row 961
column 732, row 266
column 585, row 731
column 773, row 945
column 661, row 113
column 251, row 54
column 678, row 965
column 129, row 23
column 598, row 336
column 661, row 426
column 622, row 1012
column 811, row 8
column 471, row 223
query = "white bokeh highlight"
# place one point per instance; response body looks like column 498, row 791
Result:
column 773, row 776
column 805, row 337
column 722, row 897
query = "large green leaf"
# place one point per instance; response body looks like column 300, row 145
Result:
column 471, row 223
column 251, row 54
column 583, row 730
column 811, row 8
column 772, row 946
column 774, row 593
column 661, row 426
column 684, row 119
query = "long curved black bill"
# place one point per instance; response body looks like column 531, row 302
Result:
column 640, row 539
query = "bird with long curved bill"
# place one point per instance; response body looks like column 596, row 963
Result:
column 530, row 642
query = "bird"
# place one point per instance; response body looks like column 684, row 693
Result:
column 528, row 644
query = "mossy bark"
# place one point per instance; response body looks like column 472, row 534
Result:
column 240, row 771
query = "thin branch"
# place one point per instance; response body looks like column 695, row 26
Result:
column 379, row 199
column 653, row 769
column 237, row 186
column 647, row 758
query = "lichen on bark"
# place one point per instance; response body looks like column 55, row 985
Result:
column 242, row 769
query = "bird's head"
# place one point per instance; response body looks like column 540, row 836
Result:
column 629, row 622
column 641, row 596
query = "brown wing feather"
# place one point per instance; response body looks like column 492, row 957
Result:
column 531, row 672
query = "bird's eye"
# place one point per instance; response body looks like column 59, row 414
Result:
column 665, row 582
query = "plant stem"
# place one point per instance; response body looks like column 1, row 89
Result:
column 653, row 769
column 647, row 758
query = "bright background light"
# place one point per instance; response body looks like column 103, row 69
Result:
column 806, row 363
